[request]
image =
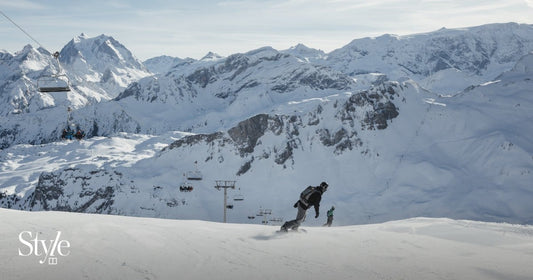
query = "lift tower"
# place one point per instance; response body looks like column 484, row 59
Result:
column 224, row 184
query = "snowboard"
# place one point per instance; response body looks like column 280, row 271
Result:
column 300, row 230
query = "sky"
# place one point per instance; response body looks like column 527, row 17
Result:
column 184, row 28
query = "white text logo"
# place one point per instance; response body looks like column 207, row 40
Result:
column 46, row 250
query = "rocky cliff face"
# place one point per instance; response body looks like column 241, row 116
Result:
column 366, row 110
column 74, row 190
column 90, row 191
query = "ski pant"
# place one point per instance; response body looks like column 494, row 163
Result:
column 330, row 220
column 300, row 217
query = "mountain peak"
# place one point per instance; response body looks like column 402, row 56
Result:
column 80, row 38
column 306, row 53
column 211, row 56
column 261, row 50
column 101, row 50
column 164, row 63
column 299, row 46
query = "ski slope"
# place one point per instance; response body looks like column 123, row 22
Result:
column 118, row 247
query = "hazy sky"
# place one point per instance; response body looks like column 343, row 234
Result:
column 191, row 28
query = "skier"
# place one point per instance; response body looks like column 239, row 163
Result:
column 330, row 217
column 311, row 196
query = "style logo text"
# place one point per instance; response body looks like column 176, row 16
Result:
column 47, row 250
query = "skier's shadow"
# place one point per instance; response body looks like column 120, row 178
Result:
column 265, row 237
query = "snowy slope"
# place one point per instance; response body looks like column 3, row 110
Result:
column 112, row 247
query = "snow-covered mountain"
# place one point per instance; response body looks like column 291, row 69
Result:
column 371, row 61
column 219, row 93
column 98, row 69
column 18, row 78
column 101, row 62
column 445, row 61
column 392, row 152
column 307, row 54
column 276, row 122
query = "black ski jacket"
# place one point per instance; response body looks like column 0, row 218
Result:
column 314, row 200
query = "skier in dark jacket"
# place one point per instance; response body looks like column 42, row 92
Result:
column 309, row 197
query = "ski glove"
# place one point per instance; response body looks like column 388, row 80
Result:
column 296, row 204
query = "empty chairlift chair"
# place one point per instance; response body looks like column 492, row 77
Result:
column 195, row 175
column 53, row 83
column 239, row 196
column 56, row 82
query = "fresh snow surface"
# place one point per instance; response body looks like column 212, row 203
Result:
column 117, row 247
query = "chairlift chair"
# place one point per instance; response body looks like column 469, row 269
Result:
column 195, row 175
column 238, row 197
column 56, row 82
column 53, row 83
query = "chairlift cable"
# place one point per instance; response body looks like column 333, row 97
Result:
column 21, row 29
column 55, row 55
